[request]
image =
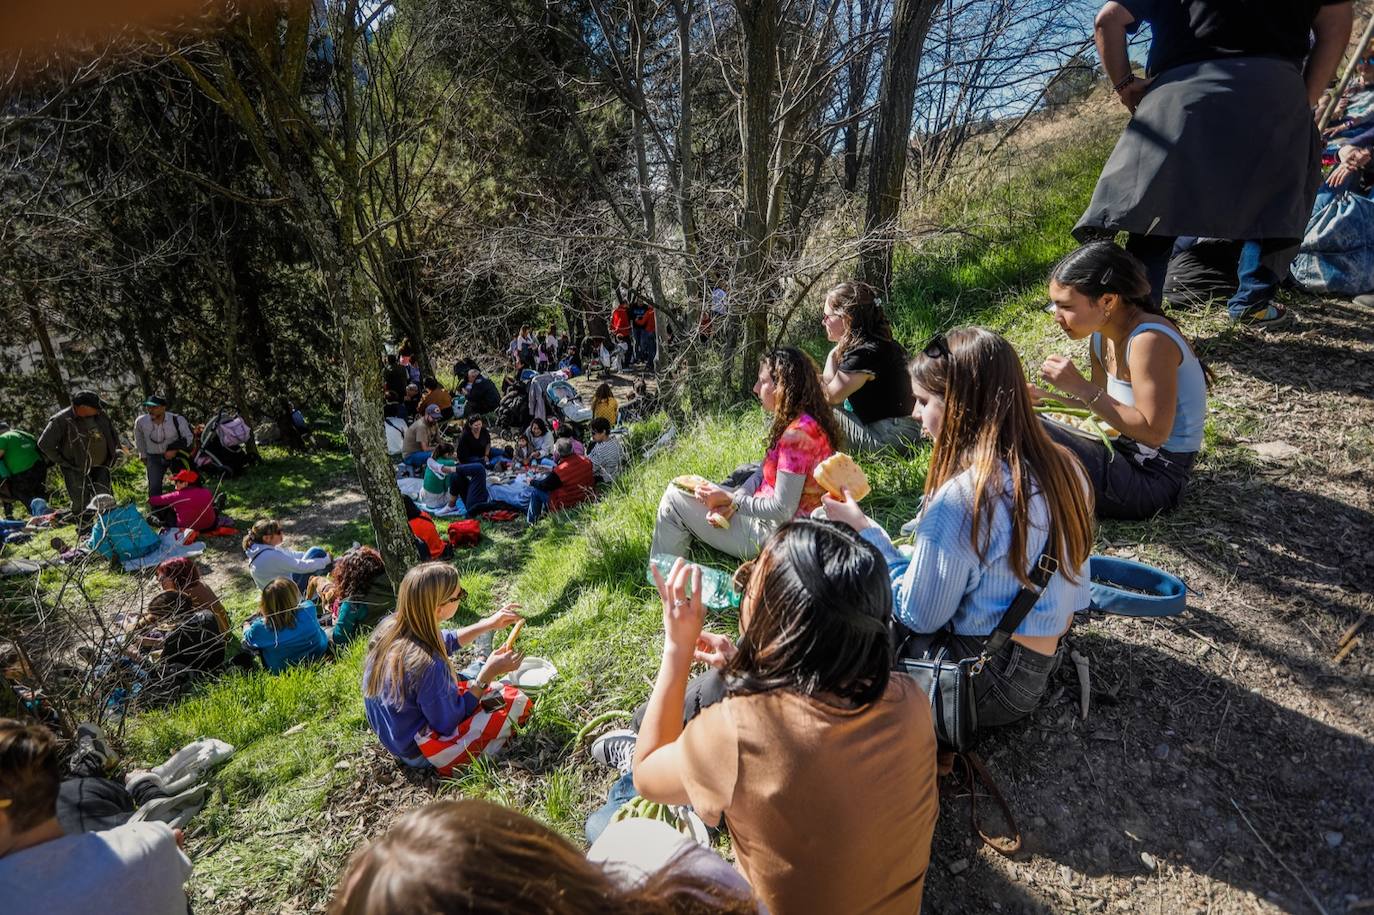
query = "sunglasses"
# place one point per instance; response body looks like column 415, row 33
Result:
column 937, row 348
column 457, row 596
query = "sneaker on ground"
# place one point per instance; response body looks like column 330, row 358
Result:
column 615, row 749
column 1268, row 315
column 1366, row 300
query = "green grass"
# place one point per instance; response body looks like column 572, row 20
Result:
column 273, row 831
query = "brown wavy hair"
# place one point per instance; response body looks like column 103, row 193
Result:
column 182, row 572
column 990, row 422
column 479, row 858
column 799, row 392
column 354, row 573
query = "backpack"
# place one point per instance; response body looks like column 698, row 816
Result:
column 464, row 533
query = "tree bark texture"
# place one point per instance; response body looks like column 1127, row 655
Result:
column 892, row 135
column 40, row 330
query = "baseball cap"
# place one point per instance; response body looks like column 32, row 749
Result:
column 157, row 400
column 186, row 476
column 434, row 411
column 86, row 399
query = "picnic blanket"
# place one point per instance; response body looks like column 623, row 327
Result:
column 172, row 544
column 414, row 487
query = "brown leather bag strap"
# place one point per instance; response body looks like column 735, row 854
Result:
column 974, row 771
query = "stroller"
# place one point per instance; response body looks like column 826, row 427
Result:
column 567, row 404
column 224, row 441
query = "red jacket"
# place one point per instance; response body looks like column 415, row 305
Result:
column 577, row 482
column 620, row 322
column 424, row 530
column 194, row 505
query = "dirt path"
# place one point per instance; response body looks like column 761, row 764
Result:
column 1229, row 727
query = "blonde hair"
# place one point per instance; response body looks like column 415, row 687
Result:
column 278, row 603
column 261, row 530
column 409, row 640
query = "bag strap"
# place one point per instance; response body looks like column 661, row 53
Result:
column 975, row 771
column 1040, row 574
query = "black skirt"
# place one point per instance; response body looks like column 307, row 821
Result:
column 1219, row 148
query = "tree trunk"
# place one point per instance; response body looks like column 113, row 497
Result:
column 40, row 330
column 892, row 135
column 759, row 24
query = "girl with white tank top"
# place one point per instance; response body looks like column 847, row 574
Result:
column 1146, row 382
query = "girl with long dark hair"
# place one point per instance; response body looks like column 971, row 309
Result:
column 810, row 705
column 999, row 492
column 1146, row 382
column 803, row 433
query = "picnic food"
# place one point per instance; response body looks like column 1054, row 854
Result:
column 514, row 631
column 838, row 473
column 1079, row 419
column 689, row 482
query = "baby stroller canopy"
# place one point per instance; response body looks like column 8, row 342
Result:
column 224, row 444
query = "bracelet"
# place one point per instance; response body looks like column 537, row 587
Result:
column 481, row 686
column 1125, row 81
column 1092, row 400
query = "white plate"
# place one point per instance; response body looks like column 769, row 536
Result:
column 534, row 674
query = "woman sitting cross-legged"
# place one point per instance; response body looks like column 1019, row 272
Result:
column 803, row 433
column 286, row 630
column 474, row 445
column 475, row 856
column 820, row 758
column 997, row 491
column 420, row 708
column 867, row 368
column 1146, row 381
column 269, row 560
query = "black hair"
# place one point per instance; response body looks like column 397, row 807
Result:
column 431, row 382
column 601, row 425
column 412, row 510
column 820, row 603
column 444, row 448
column 1104, row 268
column 391, row 359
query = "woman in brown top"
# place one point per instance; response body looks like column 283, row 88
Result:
column 820, row 759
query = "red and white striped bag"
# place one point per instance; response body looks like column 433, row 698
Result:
column 484, row 734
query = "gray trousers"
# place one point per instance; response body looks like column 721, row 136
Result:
column 681, row 518
column 84, row 485
column 900, row 433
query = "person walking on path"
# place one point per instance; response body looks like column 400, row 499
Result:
column 159, row 436
column 1222, row 142
column 81, row 441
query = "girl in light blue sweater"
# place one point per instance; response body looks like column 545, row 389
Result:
column 998, row 489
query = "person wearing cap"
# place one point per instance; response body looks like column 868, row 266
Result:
column 81, row 441
column 23, row 472
column 421, row 436
column 159, row 437
column 191, row 505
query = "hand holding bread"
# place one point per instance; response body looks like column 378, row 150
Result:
column 838, row 474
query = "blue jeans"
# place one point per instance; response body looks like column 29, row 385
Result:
column 302, row 579
column 1258, row 278
column 622, row 792
column 539, row 501
column 416, row 458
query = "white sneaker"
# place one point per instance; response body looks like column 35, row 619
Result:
column 615, row 749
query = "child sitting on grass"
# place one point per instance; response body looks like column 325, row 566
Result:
column 607, row 454
column 420, row 708
column 286, row 630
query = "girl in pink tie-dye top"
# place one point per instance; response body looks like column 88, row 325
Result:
column 803, row 433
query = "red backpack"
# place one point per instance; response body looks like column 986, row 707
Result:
column 464, row 533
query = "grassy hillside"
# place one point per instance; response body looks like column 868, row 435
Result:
column 286, row 808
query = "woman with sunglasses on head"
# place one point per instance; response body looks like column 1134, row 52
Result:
column 421, row 709
column 810, row 703
column 802, row 434
column 867, row 368
column 1146, row 382
column 998, row 495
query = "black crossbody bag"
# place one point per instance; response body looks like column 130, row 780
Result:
column 948, row 682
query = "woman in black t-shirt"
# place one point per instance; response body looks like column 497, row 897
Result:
column 867, row 368
column 474, row 445
column 1222, row 142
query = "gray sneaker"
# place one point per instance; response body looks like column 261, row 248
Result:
column 615, row 749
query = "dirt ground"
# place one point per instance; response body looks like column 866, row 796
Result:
column 1226, row 763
